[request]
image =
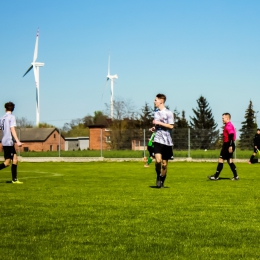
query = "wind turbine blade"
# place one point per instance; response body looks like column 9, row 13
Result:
column 36, row 47
column 28, row 70
column 104, row 89
column 35, row 70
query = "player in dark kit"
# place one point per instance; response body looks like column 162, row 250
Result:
column 228, row 148
column 256, row 145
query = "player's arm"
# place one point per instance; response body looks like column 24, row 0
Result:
column 231, row 142
column 170, row 126
column 15, row 136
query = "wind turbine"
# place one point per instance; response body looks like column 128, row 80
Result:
column 111, row 78
column 36, row 69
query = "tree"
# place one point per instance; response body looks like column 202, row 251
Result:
column 122, row 109
column 45, row 125
column 180, row 131
column 75, row 128
column 99, row 118
column 88, row 120
column 248, row 129
column 204, row 133
column 125, row 126
column 23, row 123
column 146, row 117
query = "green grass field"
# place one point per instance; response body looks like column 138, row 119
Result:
column 113, row 211
column 240, row 154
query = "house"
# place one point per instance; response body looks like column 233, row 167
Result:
column 99, row 137
column 76, row 143
column 39, row 139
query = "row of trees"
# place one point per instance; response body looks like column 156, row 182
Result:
column 128, row 125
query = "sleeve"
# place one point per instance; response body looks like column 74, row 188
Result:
column 12, row 121
column 170, row 118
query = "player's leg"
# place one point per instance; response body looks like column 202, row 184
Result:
column 163, row 172
column 5, row 164
column 219, row 166
column 233, row 169
column 7, row 156
column 14, row 166
column 252, row 156
column 158, row 162
column 167, row 154
column 158, row 168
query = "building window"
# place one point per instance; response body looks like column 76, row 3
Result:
column 54, row 135
column 58, row 147
column 108, row 139
column 25, row 149
column 51, row 148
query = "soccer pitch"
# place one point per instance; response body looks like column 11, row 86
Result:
column 105, row 210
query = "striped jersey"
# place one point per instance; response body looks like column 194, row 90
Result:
column 163, row 134
column 6, row 122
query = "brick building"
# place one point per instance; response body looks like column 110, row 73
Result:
column 99, row 137
column 39, row 139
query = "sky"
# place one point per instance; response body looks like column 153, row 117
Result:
column 181, row 48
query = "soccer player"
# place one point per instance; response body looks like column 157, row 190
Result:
column 228, row 148
column 163, row 124
column 150, row 148
column 256, row 145
column 7, row 125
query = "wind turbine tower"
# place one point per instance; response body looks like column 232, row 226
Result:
column 36, row 69
column 111, row 78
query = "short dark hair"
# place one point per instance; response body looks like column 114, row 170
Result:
column 226, row 114
column 161, row 96
column 9, row 106
column 258, row 129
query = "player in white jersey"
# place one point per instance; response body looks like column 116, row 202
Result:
column 7, row 125
column 164, row 123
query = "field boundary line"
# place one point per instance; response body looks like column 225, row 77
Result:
column 102, row 159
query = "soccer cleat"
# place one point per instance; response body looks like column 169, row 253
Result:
column 235, row 178
column 162, row 184
column 213, row 178
column 17, row 182
column 249, row 162
column 158, row 184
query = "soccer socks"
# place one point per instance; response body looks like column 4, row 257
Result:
column 219, row 169
column 149, row 160
column 233, row 169
column 162, row 178
column 2, row 166
column 251, row 158
column 14, row 172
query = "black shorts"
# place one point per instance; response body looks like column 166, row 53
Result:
column 151, row 151
column 224, row 153
column 9, row 152
column 164, row 150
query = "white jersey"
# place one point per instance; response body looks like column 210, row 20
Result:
column 163, row 134
column 6, row 122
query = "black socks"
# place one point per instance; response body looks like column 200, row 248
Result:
column 233, row 169
column 2, row 166
column 219, row 169
column 14, row 172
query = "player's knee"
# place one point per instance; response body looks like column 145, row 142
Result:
column 15, row 161
column 7, row 162
column 164, row 166
column 158, row 161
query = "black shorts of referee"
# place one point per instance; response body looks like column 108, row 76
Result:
column 224, row 153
